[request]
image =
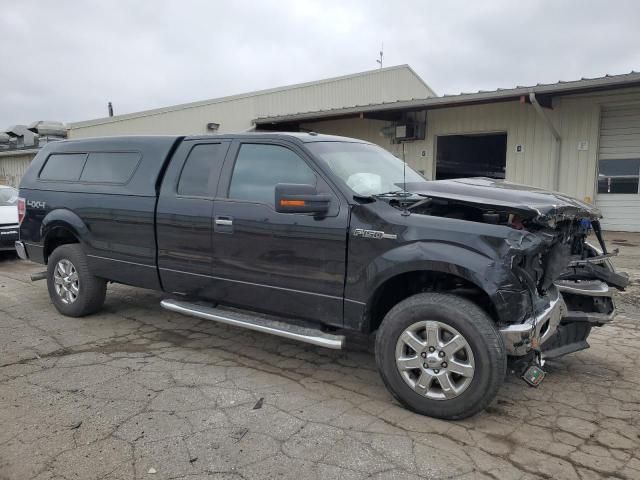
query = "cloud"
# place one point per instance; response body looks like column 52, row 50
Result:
column 65, row 60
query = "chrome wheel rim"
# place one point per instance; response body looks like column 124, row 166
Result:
column 65, row 279
column 435, row 360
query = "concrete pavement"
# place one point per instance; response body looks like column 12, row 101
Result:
column 138, row 392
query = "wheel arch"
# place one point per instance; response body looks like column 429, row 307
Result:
column 61, row 227
column 435, row 278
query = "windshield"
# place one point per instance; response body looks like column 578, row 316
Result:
column 8, row 196
column 367, row 169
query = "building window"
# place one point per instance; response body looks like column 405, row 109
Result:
column 618, row 176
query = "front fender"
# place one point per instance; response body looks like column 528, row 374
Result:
column 492, row 275
column 432, row 256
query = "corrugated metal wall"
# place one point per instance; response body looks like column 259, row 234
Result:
column 534, row 165
column 364, row 129
column 13, row 167
column 236, row 113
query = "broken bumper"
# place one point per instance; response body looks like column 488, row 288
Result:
column 519, row 339
column 589, row 301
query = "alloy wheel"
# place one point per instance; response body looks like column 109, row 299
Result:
column 435, row 360
column 67, row 283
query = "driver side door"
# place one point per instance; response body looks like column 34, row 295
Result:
column 289, row 264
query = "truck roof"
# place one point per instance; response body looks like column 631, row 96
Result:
column 305, row 137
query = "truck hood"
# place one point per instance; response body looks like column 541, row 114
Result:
column 530, row 202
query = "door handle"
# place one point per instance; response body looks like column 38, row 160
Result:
column 224, row 221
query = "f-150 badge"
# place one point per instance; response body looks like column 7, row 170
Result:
column 377, row 234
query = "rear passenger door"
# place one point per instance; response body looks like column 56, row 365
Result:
column 290, row 264
column 185, row 209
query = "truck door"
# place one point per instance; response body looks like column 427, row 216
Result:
column 184, row 211
column 289, row 264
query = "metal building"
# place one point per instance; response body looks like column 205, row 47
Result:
column 579, row 137
column 236, row 113
column 20, row 143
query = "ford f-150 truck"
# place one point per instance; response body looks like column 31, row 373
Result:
column 310, row 236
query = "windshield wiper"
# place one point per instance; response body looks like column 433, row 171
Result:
column 393, row 193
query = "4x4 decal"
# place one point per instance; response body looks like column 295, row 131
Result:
column 36, row 204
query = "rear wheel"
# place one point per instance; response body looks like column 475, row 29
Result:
column 441, row 355
column 74, row 291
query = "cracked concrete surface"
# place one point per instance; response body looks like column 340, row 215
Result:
column 136, row 389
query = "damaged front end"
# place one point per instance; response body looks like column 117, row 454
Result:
column 573, row 282
column 587, row 287
column 570, row 281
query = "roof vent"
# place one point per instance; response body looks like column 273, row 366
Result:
column 23, row 136
column 49, row 128
column 4, row 141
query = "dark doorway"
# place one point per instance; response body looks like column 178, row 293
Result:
column 459, row 156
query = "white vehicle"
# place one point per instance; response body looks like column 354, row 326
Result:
column 9, row 224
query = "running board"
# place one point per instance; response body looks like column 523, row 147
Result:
column 257, row 323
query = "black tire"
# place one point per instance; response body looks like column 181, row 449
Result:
column 481, row 335
column 91, row 290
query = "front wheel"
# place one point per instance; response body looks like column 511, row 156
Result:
column 74, row 291
column 441, row 355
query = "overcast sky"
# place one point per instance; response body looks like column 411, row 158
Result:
column 64, row 60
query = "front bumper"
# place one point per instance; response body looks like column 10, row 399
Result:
column 521, row 338
column 589, row 301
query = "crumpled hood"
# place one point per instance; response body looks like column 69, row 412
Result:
column 530, row 202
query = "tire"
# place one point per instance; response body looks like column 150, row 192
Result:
column 67, row 271
column 463, row 395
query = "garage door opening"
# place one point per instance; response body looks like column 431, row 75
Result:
column 459, row 156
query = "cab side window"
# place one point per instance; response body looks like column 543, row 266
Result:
column 259, row 168
column 194, row 178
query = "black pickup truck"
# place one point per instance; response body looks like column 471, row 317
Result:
column 310, row 236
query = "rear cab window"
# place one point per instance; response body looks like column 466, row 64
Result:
column 203, row 158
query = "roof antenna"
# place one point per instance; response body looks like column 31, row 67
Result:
column 381, row 55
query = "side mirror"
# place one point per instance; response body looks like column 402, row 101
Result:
column 296, row 198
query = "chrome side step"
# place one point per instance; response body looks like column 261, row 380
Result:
column 257, row 323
